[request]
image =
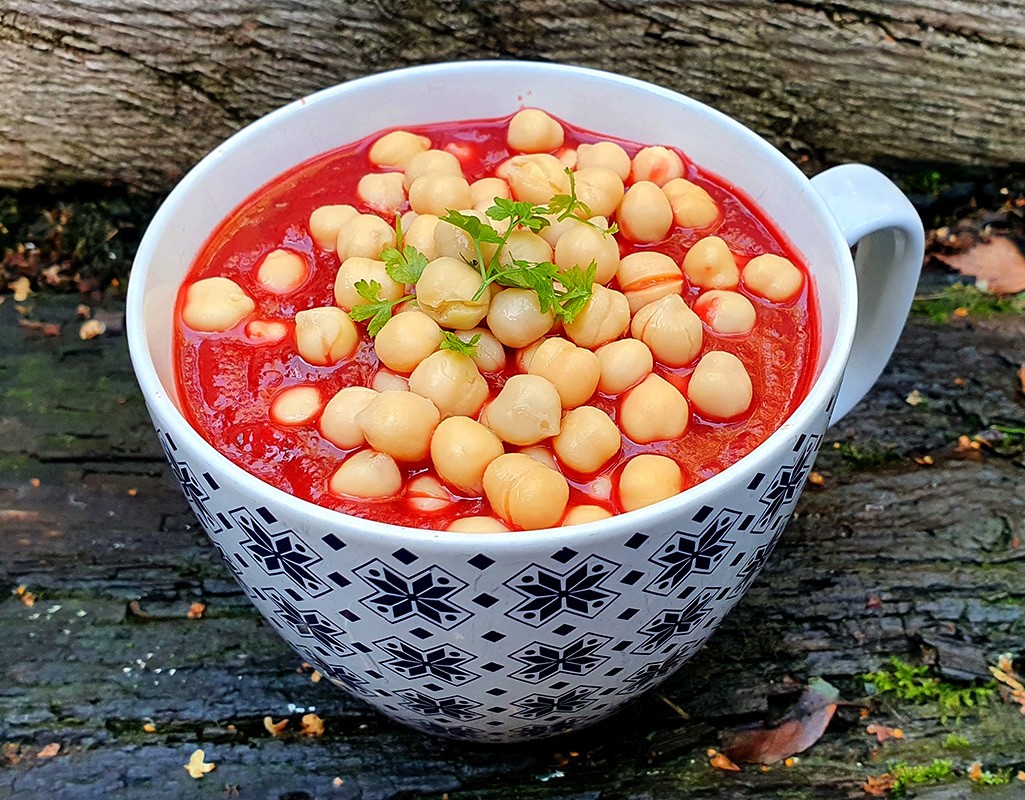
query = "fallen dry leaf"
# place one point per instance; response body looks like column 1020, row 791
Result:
column 1013, row 690
column 337, row 782
column 21, row 289
column 83, row 311
column 149, row 727
column 915, row 398
column 196, row 610
column 997, row 265
column 316, row 676
column 1021, row 378
column 12, row 753
column 816, row 479
column 52, row 749
column 975, row 771
column 802, row 726
column 275, row 728
column 45, row 328
column 90, row 329
column 882, row 733
column 719, row 761
column 312, row 725
column 879, row 785
column 197, row 767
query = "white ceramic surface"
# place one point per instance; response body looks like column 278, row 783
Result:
column 528, row 634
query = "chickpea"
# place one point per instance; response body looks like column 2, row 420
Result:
column 385, row 380
column 397, row 149
column 670, row 329
column 556, row 228
column 420, row 234
column 726, row 313
column 582, row 244
column 600, row 189
column 382, row 191
column 604, row 317
column 600, row 488
column 709, row 264
column 720, row 388
column 435, row 194
column 338, row 421
column 400, row 424
column 326, row 221
column 533, row 131
column 568, row 157
column 656, row 164
column 477, row 525
column 525, row 493
column 324, row 336
column 525, row 354
column 692, row 206
column 572, row 370
column 281, row 271
column 452, row 381
column 653, row 411
column 266, row 331
column 773, row 277
column 526, row 411
column 367, row 474
column 588, row 439
column 542, row 455
column 446, row 290
column 525, row 246
column 647, row 276
column 213, row 305
column 647, row 479
column 535, row 178
column 406, row 340
column 624, row 363
column 489, row 354
column 516, row 319
column 604, row 155
column 426, row 494
column 364, row 236
column 645, row 214
column 296, row 405
column 581, row 515
column 356, row 269
column 461, row 450
column 431, row 162
column 484, row 192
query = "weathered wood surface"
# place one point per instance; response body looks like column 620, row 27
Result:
column 873, row 559
column 136, row 92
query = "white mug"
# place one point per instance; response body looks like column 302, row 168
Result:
column 522, row 635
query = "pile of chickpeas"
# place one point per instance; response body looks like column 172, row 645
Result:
column 427, row 405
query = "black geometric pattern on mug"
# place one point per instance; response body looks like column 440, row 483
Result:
column 443, row 662
column 439, row 728
column 542, row 729
column 454, row 707
column 689, row 552
column 280, row 552
column 749, row 571
column 193, row 490
column 537, row 706
column 548, row 593
column 345, row 679
column 309, row 624
column 789, row 480
column 425, row 595
column 650, row 674
column 545, row 660
column 669, row 625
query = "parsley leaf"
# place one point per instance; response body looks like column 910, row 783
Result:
column 376, row 310
column 520, row 213
column 577, row 284
column 477, row 230
column 451, row 341
column 538, row 277
column 404, row 266
column 563, row 206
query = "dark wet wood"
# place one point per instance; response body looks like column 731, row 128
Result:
column 877, row 561
column 135, row 91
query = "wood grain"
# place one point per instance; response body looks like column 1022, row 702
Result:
column 873, row 559
column 136, row 91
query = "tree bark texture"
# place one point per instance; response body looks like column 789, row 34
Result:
column 877, row 561
column 136, row 91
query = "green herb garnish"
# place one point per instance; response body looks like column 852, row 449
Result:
column 376, row 310
column 451, row 341
column 564, row 206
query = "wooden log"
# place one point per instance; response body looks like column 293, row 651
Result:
column 136, row 92
column 877, row 556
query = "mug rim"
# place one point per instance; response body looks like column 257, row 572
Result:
column 166, row 413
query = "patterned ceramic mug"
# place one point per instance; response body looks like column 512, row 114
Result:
column 524, row 635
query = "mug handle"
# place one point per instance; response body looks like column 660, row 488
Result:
column 880, row 222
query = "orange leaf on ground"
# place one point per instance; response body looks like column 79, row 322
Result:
column 196, row 610
column 52, row 749
column 882, row 733
column 275, row 728
column 997, row 265
column 198, row 766
column 879, row 785
column 802, row 726
column 312, row 725
column 719, row 761
column 1021, row 377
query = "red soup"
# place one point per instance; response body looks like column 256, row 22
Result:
column 493, row 325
